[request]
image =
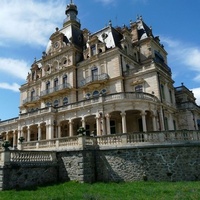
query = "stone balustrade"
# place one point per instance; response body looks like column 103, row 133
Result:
column 77, row 142
column 27, row 157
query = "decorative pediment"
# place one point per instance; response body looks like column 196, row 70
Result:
column 138, row 81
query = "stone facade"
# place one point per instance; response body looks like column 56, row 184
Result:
column 115, row 80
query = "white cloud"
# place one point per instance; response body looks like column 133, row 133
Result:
column 29, row 22
column 16, row 68
column 187, row 55
column 14, row 87
column 196, row 92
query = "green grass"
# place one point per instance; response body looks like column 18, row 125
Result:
column 109, row 191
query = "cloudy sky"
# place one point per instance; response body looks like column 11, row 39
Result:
column 26, row 25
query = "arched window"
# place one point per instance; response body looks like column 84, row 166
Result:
column 103, row 91
column 65, row 101
column 95, row 93
column 87, row 96
column 56, row 103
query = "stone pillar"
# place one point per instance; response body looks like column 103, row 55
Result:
column 162, row 120
column 28, row 134
column 59, row 131
column 144, row 125
column 98, row 126
column 71, row 128
column 14, row 138
column 124, row 129
column 103, row 125
column 39, row 132
column 7, row 136
column 108, row 124
column 47, row 131
column 154, row 122
column 51, row 130
column 18, row 135
column 83, row 122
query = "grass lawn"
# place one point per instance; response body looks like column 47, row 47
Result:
column 109, row 191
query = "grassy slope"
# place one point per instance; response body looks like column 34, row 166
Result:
column 109, row 191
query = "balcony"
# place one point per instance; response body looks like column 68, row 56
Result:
column 55, row 90
column 31, row 100
column 95, row 79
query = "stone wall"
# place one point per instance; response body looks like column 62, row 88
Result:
column 133, row 163
column 161, row 163
column 76, row 165
column 16, row 177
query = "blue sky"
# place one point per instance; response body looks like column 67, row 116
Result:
column 26, row 25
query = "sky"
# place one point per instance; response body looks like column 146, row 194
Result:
column 26, row 25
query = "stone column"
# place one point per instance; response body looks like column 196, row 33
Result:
column 51, row 130
column 123, row 115
column 71, row 128
column 39, row 132
column 28, row 134
column 98, row 126
column 162, row 120
column 144, row 125
column 14, row 138
column 18, row 135
column 108, row 124
column 83, row 122
column 47, row 131
column 59, row 131
column 103, row 124
column 7, row 136
column 154, row 122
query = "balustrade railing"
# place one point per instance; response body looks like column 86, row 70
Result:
column 107, row 141
column 54, row 89
column 94, row 78
column 34, row 156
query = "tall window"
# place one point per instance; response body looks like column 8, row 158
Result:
column 112, row 127
column 47, row 87
column 162, row 91
column 65, row 81
column 95, row 73
column 166, row 123
column 170, row 96
column 56, row 84
column 139, row 88
column 32, row 95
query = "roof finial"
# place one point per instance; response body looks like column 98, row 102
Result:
column 71, row 1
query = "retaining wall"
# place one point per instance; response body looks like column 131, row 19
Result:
column 180, row 162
